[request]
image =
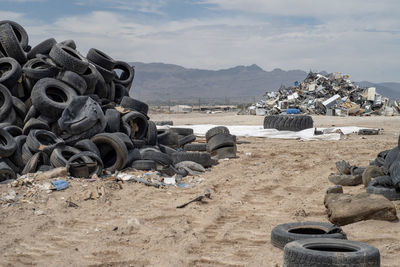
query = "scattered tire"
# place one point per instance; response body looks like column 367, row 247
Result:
column 51, row 97
column 130, row 103
column 42, row 48
column 42, row 140
column 20, row 33
column 7, row 144
column 157, row 156
column 37, row 160
column 288, row 122
column 216, row 130
column 195, row 147
column 5, row 102
column 288, row 232
column 35, row 124
column 221, row 140
column 10, row 43
column 113, row 151
column 68, row 58
column 87, row 145
column 100, row 58
column 203, row 158
column 186, row 140
column 382, row 185
column 85, row 164
column 113, row 118
column 167, row 138
column 10, row 72
column 16, row 157
column 145, row 165
column 6, row 172
column 61, row 154
column 330, row 252
column 127, row 73
column 228, row 152
column 74, row 80
column 151, row 136
column 133, row 155
column 181, row 131
column 137, row 124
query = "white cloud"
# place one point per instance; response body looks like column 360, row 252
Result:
column 359, row 42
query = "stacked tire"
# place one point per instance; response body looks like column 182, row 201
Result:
column 321, row 244
column 220, row 143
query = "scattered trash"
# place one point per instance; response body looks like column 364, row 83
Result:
column 207, row 194
column 331, row 94
column 60, row 184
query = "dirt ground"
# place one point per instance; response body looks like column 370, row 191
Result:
column 272, row 182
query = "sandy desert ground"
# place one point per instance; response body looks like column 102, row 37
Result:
column 135, row 225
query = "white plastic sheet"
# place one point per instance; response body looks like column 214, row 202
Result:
column 259, row 131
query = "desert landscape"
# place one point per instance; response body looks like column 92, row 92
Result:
column 272, row 181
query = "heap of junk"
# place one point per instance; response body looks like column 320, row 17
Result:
column 333, row 94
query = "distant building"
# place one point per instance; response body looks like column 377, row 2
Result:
column 181, row 109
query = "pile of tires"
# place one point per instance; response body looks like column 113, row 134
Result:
column 59, row 108
column 321, row 244
column 387, row 183
column 288, row 122
column 220, row 143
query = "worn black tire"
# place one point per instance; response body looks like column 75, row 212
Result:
column 42, row 140
column 6, row 172
column 221, row 140
column 19, row 107
column 151, row 137
column 130, row 103
column 157, row 156
column 20, row 33
column 5, row 102
column 113, row 151
column 84, row 157
column 133, row 155
column 61, row 154
column 387, row 191
column 186, row 140
column 288, row 122
column 167, row 138
column 392, row 156
column 125, row 139
column 225, row 152
column 113, row 118
column 70, row 43
column 51, row 97
column 145, row 165
column 127, row 74
column 37, row 160
column 161, row 123
column 195, row 147
column 321, row 252
column 203, row 158
column 7, row 144
column 16, row 158
column 35, row 124
column 216, row 130
column 107, row 75
column 166, row 149
column 288, row 232
column 10, row 72
column 182, row 131
column 141, row 122
column 68, row 58
column 26, row 153
column 10, row 43
column 13, row 130
column 87, row 145
column 71, row 140
column 42, row 48
column 11, row 118
column 91, row 77
column 74, row 80
column 100, row 58
column 120, row 92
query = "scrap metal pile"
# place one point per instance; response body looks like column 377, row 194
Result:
column 332, row 94
column 61, row 109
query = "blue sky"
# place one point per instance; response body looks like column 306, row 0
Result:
column 358, row 37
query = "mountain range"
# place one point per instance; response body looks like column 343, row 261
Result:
column 159, row 83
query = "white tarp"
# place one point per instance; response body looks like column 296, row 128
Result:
column 259, row 131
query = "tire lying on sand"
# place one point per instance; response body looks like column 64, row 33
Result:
column 288, row 232
column 288, row 122
column 319, row 252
